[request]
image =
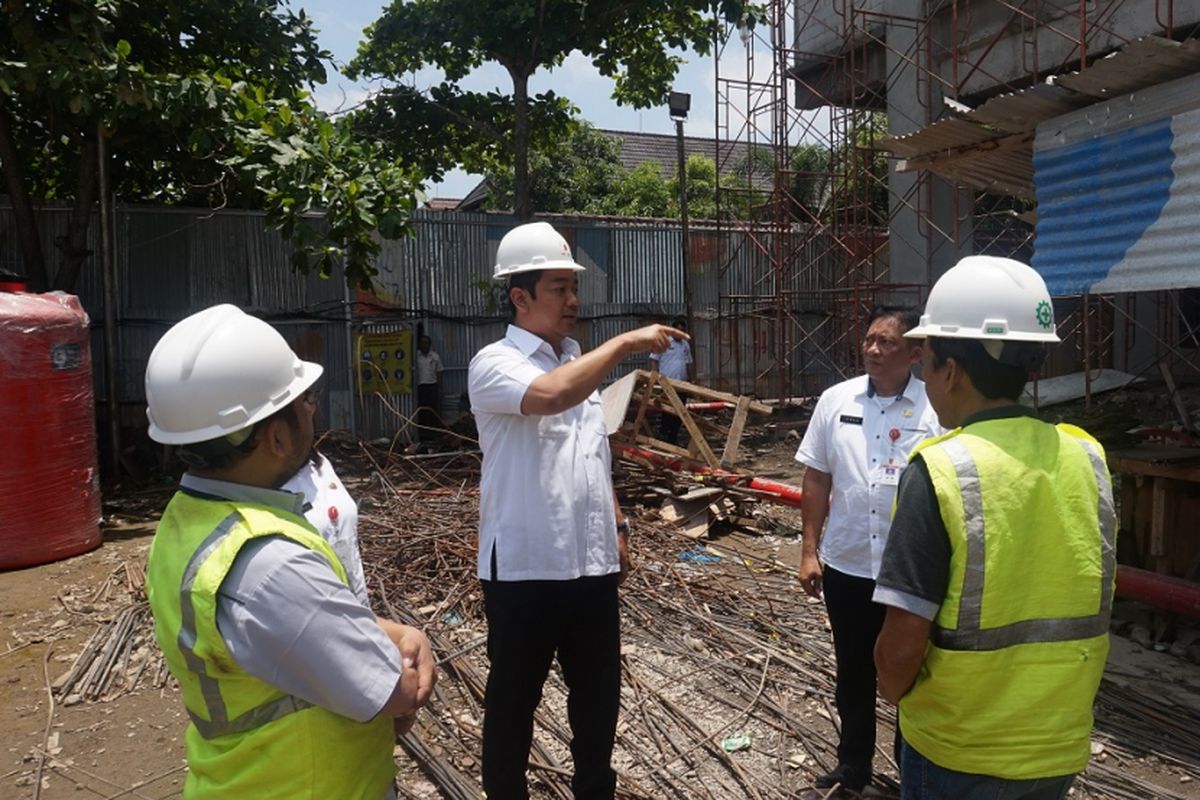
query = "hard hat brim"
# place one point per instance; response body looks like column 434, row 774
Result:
column 505, row 274
column 956, row 332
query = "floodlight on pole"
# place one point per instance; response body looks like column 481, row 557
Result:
column 679, row 103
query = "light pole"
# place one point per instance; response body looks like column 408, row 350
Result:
column 679, row 103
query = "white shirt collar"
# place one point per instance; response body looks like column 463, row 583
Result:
column 528, row 343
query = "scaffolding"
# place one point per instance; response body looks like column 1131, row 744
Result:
column 834, row 217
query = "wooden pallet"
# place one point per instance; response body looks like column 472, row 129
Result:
column 632, row 403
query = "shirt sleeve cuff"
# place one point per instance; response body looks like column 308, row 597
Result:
column 904, row 601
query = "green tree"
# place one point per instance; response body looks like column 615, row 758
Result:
column 641, row 192
column 201, row 103
column 573, row 174
column 808, row 187
column 701, row 174
column 859, row 194
column 627, row 41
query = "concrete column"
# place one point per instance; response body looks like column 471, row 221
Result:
column 931, row 221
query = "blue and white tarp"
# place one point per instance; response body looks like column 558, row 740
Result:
column 1118, row 190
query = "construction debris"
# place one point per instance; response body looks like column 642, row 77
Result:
column 727, row 665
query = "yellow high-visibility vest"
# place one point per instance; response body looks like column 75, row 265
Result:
column 1019, row 643
column 248, row 739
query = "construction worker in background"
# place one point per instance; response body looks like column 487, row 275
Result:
column 998, row 574
column 291, row 683
column 553, row 544
column 429, row 390
column 854, row 450
column 676, row 364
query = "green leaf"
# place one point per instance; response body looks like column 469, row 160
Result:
column 124, row 48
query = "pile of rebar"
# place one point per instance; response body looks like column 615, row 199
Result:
column 728, row 666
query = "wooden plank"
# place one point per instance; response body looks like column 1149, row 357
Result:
column 713, row 394
column 730, row 455
column 640, row 421
column 1173, row 392
column 662, row 447
column 681, row 410
column 614, row 402
column 692, row 516
column 1156, row 469
column 1158, row 517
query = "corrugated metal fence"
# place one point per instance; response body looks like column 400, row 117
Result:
column 172, row 262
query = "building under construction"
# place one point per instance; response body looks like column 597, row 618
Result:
column 905, row 134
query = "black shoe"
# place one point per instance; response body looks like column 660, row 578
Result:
column 845, row 776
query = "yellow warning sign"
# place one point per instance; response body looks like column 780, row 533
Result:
column 384, row 363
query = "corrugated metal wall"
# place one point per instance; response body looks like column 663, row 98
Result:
column 1118, row 189
column 172, row 262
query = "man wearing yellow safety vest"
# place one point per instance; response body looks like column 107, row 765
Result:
column 292, row 685
column 999, row 568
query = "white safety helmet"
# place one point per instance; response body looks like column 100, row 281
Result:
column 532, row 246
column 217, row 372
column 991, row 299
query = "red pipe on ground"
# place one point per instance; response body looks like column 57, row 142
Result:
column 1162, row 591
column 783, row 493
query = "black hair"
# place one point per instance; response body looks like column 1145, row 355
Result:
column 996, row 379
column 523, row 280
column 680, row 323
column 222, row 452
column 907, row 316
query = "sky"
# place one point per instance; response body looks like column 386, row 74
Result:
column 340, row 24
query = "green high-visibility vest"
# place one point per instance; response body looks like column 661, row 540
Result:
column 1019, row 643
column 248, row 739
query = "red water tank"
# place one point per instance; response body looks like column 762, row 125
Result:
column 49, row 482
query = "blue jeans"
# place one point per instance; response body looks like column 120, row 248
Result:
column 921, row 779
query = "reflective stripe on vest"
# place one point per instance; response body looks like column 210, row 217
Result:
column 967, row 635
column 219, row 723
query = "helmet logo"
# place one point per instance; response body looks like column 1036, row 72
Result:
column 1045, row 314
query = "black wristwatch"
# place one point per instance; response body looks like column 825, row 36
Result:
column 623, row 526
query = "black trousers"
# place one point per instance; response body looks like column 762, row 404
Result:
column 529, row 622
column 428, row 414
column 856, row 622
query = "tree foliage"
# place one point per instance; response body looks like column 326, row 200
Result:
column 642, row 192
column 625, row 40
column 202, row 102
column 576, row 173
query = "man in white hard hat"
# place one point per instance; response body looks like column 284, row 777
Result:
column 854, row 451
column 999, row 570
column 291, row 683
column 552, row 542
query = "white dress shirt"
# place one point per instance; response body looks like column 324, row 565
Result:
column 546, row 501
column 429, row 367
column 332, row 511
column 673, row 362
column 863, row 440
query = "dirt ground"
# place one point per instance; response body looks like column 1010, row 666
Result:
column 132, row 746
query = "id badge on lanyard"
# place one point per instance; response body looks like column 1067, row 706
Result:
column 889, row 473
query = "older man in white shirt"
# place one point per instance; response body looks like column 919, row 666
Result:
column 552, row 541
column 855, row 448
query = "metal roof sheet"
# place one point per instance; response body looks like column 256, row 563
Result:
column 968, row 147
